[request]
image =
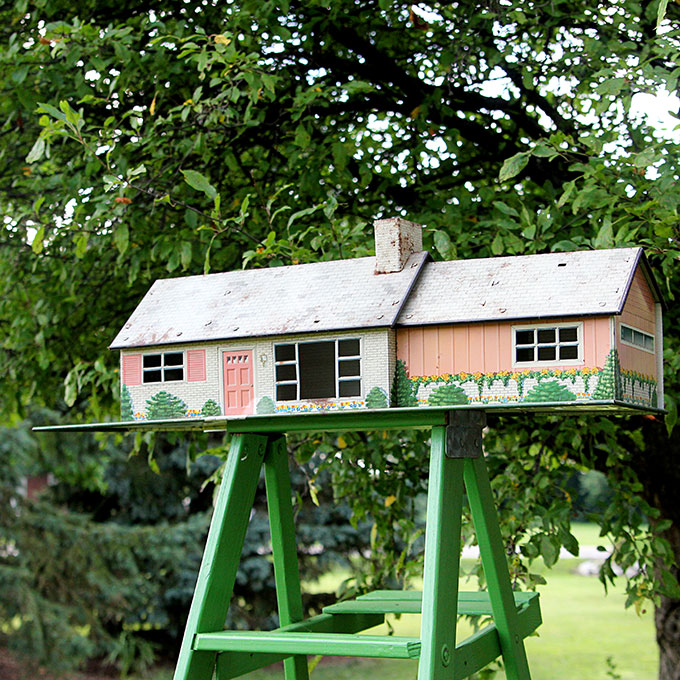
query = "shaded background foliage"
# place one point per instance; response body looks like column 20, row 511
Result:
column 147, row 139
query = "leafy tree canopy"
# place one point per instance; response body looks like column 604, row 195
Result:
column 140, row 140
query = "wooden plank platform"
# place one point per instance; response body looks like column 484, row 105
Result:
column 410, row 602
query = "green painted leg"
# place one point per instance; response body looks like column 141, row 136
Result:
column 495, row 569
column 222, row 554
column 442, row 553
column 284, row 549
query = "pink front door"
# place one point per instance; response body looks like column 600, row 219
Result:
column 238, row 382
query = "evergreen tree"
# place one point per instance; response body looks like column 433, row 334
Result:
column 126, row 407
column 403, row 393
column 165, row 405
column 376, row 398
column 609, row 380
column 448, row 395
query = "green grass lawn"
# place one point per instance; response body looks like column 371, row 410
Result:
column 582, row 628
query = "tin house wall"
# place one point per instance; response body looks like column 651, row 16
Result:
column 637, row 336
column 506, row 362
column 245, row 376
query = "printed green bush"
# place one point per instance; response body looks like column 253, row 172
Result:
column 211, row 408
column 126, row 408
column 550, row 390
column 376, row 398
column 609, row 381
column 165, row 405
column 403, row 393
column 448, row 395
column 265, row 405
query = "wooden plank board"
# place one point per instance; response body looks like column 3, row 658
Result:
column 234, row 664
column 333, row 644
column 394, row 602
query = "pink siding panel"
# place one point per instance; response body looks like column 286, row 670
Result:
column 430, row 351
column 486, row 347
column 638, row 312
column 132, row 369
column 196, row 365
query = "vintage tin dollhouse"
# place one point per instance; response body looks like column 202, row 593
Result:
column 579, row 328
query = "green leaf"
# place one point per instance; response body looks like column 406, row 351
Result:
column 51, row 111
column 505, row 209
column 38, row 239
column 605, row 236
column 611, row 86
column 566, row 193
column 442, row 243
column 185, row 254
column 661, row 13
column 121, row 237
column 199, row 182
column 548, row 551
column 302, row 213
column 70, row 388
column 513, row 166
column 302, row 137
column 37, row 150
column 497, row 245
column 81, row 245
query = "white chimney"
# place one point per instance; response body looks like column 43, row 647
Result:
column 395, row 240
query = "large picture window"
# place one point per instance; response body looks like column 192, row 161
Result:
column 547, row 344
column 328, row 369
column 165, row 367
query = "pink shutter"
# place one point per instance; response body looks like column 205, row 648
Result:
column 132, row 369
column 196, row 365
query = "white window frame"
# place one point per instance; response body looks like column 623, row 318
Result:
column 634, row 345
column 338, row 359
column 548, row 362
column 162, row 368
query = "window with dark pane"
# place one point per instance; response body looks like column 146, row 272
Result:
column 284, row 353
column 286, row 392
column 524, row 354
column 524, row 337
column 546, row 335
column 316, row 361
column 152, row 376
column 350, row 388
column 569, row 334
column 546, row 345
column 348, row 348
column 547, row 353
column 166, row 367
column 286, row 372
column 151, row 360
column 569, row 352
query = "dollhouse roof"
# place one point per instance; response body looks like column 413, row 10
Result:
column 348, row 294
column 583, row 283
column 323, row 296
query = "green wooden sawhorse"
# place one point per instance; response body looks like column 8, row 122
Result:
column 456, row 463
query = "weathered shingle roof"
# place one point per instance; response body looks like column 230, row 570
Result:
column 522, row 287
column 323, row 296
